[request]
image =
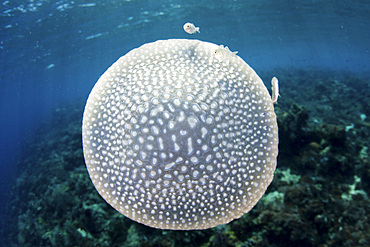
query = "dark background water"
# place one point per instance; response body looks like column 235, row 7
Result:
column 53, row 52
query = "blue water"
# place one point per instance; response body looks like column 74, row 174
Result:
column 53, row 52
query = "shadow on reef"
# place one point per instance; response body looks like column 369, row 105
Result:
column 319, row 196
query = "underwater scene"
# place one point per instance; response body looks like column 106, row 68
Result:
column 286, row 155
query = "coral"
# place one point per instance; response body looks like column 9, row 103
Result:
column 352, row 190
column 288, row 177
column 319, row 196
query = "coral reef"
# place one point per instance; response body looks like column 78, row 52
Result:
column 319, row 196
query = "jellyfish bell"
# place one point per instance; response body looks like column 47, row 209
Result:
column 176, row 138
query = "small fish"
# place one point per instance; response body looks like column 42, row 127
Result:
column 190, row 28
column 50, row 66
column 275, row 89
column 221, row 52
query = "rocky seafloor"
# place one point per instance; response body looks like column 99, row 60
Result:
column 319, row 196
